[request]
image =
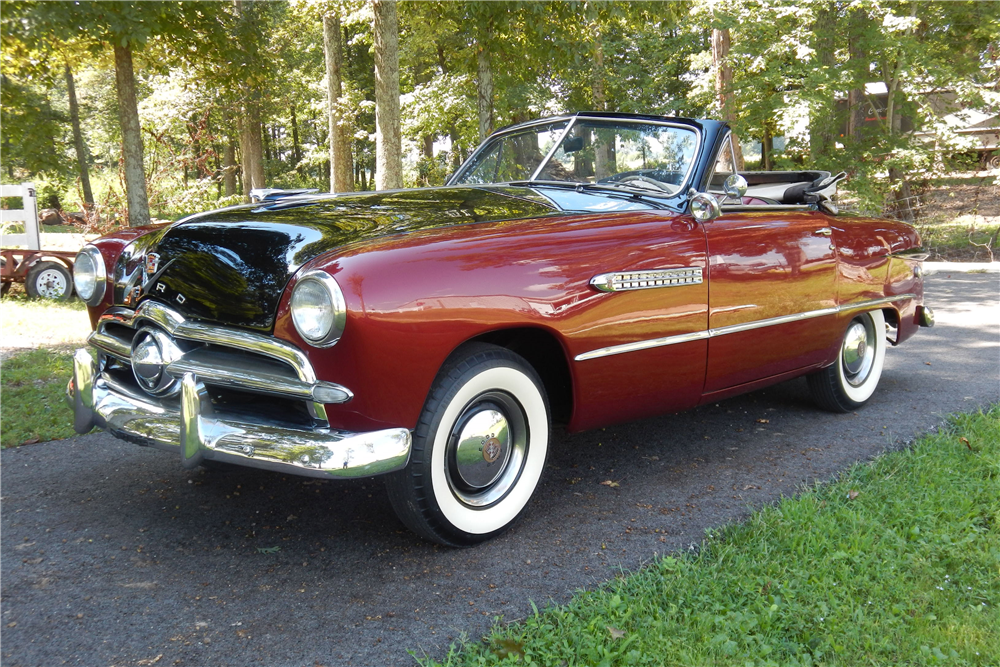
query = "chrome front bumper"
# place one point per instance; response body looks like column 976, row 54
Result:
column 199, row 435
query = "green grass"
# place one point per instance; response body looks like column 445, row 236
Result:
column 32, row 397
column 896, row 563
column 31, row 323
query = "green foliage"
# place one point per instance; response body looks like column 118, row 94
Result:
column 895, row 563
column 34, row 389
column 200, row 63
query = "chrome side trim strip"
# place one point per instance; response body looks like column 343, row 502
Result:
column 642, row 345
column 772, row 321
column 625, row 281
column 861, row 305
column 737, row 328
column 743, row 208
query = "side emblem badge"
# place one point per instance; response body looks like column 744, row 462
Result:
column 152, row 263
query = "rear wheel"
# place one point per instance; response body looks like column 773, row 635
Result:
column 848, row 384
column 478, row 450
column 49, row 280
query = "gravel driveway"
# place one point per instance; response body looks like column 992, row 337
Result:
column 114, row 555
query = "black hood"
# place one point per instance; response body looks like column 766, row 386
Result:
column 230, row 266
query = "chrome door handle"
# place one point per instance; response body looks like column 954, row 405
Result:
column 824, row 231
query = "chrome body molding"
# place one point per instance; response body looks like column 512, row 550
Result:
column 744, row 208
column 197, row 433
column 737, row 328
column 293, row 377
column 624, row 281
column 916, row 254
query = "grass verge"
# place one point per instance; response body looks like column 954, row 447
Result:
column 896, row 563
column 31, row 323
column 33, row 407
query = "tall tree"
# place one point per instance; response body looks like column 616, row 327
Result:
column 724, row 84
column 341, row 159
column 251, row 94
column 388, row 137
column 78, row 143
column 128, row 113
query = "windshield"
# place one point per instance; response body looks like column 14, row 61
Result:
column 637, row 154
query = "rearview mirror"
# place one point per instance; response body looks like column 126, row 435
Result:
column 735, row 186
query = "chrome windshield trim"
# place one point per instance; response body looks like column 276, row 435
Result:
column 552, row 151
column 737, row 328
column 573, row 119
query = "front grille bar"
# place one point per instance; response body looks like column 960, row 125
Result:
column 293, row 377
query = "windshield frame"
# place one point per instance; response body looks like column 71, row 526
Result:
column 572, row 120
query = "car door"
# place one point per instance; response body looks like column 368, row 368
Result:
column 772, row 295
column 772, row 292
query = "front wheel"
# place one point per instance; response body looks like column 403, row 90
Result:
column 478, row 450
column 848, row 384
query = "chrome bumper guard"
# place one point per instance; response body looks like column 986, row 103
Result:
column 199, row 435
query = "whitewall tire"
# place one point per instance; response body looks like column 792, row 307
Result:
column 478, row 451
column 850, row 382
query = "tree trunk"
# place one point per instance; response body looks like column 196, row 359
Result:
column 825, row 124
column 484, row 83
column 856, row 100
column 388, row 139
column 249, row 122
column 135, row 174
column 723, row 86
column 229, row 168
column 81, row 148
column 296, row 151
column 341, row 161
column 767, row 150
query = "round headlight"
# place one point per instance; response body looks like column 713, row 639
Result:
column 89, row 275
column 319, row 311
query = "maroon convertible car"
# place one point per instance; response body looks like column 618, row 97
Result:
column 578, row 270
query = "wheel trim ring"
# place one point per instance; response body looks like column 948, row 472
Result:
column 514, row 455
column 44, row 283
column 499, row 515
column 859, row 346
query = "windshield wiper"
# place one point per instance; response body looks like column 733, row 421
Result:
column 631, row 193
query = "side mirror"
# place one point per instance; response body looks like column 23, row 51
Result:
column 735, row 186
column 705, row 207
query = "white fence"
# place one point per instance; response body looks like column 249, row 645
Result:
column 28, row 215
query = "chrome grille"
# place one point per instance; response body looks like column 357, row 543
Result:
column 220, row 357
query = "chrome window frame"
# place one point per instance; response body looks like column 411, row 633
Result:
column 572, row 122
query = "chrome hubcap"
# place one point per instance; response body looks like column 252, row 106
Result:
column 51, row 284
column 858, row 352
column 486, row 449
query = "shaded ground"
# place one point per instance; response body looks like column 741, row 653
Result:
column 114, row 555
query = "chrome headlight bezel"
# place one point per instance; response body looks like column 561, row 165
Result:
column 336, row 304
column 90, row 254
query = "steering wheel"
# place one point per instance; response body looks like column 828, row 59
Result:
column 646, row 180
